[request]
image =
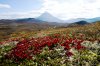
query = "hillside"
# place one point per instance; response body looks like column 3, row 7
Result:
column 7, row 27
column 52, row 46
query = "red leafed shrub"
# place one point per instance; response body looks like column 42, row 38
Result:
column 72, row 43
column 27, row 48
column 0, row 43
column 69, row 53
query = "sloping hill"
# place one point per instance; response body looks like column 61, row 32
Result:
column 80, row 23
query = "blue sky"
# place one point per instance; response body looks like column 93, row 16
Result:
column 63, row 9
column 21, row 5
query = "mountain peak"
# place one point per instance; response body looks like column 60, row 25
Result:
column 46, row 16
column 46, row 12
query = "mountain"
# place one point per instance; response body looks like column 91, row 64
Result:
column 74, row 20
column 48, row 18
column 83, row 19
column 8, row 26
column 93, row 19
column 79, row 23
column 29, row 20
column 82, row 23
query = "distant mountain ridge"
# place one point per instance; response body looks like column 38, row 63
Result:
column 47, row 18
column 28, row 20
column 81, row 23
column 50, row 18
column 83, row 19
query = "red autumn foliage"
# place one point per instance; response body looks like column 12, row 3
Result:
column 27, row 48
column 69, row 53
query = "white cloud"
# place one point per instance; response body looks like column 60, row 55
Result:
column 63, row 9
column 5, row 6
column 67, row 9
